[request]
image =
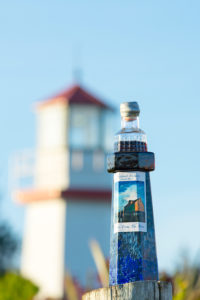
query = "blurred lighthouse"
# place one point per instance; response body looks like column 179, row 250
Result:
column 69, row 201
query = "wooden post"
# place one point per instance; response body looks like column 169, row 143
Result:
column 138, row 290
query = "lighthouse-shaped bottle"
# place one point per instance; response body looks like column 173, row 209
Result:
column 132, row 247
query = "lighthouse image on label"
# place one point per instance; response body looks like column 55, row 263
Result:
column 69, row 201
column 129, row 202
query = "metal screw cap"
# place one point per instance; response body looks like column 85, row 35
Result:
column 129, row 109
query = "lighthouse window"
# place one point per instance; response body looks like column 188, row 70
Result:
column 77, row 160
column 84, row 125
column 98, row 161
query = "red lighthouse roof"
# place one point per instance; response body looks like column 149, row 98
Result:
column 74, row 95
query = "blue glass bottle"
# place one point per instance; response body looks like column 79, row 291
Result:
column 132, row 244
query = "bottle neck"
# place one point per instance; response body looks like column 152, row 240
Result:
column 129, row 123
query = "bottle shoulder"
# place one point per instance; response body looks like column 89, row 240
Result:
column 130, row 130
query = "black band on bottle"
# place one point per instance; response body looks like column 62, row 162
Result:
column 131, row 161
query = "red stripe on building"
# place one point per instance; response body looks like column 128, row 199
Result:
column 27, row 196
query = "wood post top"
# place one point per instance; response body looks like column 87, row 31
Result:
column 139, row 290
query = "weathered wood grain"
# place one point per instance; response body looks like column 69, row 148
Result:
column 139, row 290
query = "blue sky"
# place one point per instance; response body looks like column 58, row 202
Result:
column 146, row 51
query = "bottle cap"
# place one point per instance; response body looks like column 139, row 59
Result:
column 129, row 109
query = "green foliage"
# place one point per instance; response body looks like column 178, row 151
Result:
column 15, row 287
column 187, row 284
column 12, row 285
column 186, row 279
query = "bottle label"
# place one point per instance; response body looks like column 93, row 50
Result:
column 129, row 202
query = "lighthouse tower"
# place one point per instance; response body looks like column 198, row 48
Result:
column 69, row 202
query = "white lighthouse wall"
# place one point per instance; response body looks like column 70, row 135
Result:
column 52, row 168
column 43, row 246
column 52, row 155
column 52, row 124
column 85, row 221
